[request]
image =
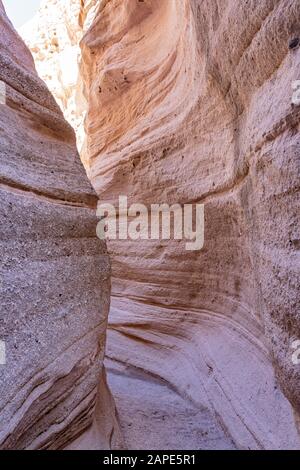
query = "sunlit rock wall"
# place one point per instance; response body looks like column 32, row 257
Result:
column 190, row 101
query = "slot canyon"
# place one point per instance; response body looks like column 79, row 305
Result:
column 142, row 344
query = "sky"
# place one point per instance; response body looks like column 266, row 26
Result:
column 20, row 11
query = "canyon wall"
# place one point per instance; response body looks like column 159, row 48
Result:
column 189, row 101
column 55, row 273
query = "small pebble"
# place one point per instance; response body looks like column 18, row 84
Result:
column 294, row 43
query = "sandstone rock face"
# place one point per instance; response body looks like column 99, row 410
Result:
column 190, row 101
column 55, row 273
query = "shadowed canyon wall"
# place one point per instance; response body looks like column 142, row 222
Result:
column 190, row 101
column 55, row 273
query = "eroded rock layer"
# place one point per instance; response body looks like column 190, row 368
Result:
column 190, row 101
column 55, row 273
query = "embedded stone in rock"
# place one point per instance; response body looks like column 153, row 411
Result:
column 55, row 273
column 294, row 43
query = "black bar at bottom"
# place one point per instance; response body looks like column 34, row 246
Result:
column 136, row 459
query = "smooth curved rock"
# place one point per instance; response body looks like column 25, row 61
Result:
column 190, row 101
column 55, row 273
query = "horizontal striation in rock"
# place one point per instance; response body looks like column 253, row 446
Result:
column 55, row 273
column 190, row 101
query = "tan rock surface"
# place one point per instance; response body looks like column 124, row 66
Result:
column 190, row 101
column 55, row 273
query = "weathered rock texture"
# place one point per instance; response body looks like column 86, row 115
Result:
column 53, row 36
column 55, row 273
column 190, row 101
